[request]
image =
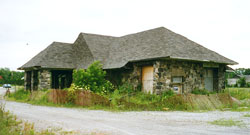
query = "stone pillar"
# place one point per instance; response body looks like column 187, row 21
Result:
column 44, row 79
column 25, row 80
column 32, row 80
column 221, row 77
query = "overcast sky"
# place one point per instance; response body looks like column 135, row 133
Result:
column 29, row 26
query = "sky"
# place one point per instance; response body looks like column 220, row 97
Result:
column 29, row 26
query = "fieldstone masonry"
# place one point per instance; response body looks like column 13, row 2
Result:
column 44, row 79
column 192, row 74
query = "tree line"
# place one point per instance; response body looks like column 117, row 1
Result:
column 11, row 77
column 239, row 72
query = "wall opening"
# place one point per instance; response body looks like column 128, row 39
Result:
column 35, row 80
column 211, row 79
column 177, row 83
column 147, row 79
column 28, row 80
column 61, row 79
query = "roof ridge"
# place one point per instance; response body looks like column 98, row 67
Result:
column 153, row 29
column 83, row 33
column 87, row 45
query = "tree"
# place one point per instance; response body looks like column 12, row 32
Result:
column 247, row 71
column 11, row 77
column 242, row 71
column 92, row 78
column 242, row 82
column 239, row 71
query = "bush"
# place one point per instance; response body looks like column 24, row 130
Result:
column 92, row 79
column 239, row 93
column 242, row 82
column 21, row 95
column 200, row 92
column 125, row 88
column 248, row 85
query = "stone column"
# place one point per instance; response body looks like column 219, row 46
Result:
column 221, row 77
column 25, row 80
column 44, row 79
column 32, row 80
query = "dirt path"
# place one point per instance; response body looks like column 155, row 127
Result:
column 127, row 123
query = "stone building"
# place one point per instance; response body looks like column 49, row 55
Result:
column 153, row 61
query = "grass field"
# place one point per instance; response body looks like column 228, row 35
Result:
column 239, row 93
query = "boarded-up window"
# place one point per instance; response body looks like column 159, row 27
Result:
column 177, row 79
column 147, row 79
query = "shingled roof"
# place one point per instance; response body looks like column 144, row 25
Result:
column 116, row 52
column 56, row 55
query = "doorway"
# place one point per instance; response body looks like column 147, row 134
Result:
column 147, row 79
column 28, row 80
column 211, row 79
column 61, row 79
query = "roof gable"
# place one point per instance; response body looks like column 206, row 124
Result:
column 159, row 43
column 56, row 55
column 116, row 52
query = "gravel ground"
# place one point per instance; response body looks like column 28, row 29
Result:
column 127, row 123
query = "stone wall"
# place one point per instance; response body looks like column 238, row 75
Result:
column 25, row 81
column 131, row 75
column 221, row 77
column 192, row 74
column 44, row 79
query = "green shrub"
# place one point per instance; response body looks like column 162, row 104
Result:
column 239, row 93
column 125, row 88
column 200, row 92
column 71, row 95
column 248, row 85
column 242, row 82
column 20, row 94
column 9, row 125
column 92, row 79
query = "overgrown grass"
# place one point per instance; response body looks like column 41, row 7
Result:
column 243, row 95
column 247, row 115
column 202, row 92
column 37, row 97
column 139, row 101
column 9, row 125
column 239, row 93
column 228, row 122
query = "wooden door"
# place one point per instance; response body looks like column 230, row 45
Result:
column 147, row 79
column 209, row 79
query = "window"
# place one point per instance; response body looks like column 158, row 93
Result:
column 177, row 79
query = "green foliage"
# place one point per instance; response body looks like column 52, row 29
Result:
column 139, row 100
column 126, row 88
column 11, row 77
column 239, row 93
column 21, row 95
column 230, row 75
column 71, row 95
column 201, row 92
column 242, row 82
column 242, row 71
column 248, row 85
column 247, row 115
column 36, row 97
column 92, row 78
column 247, row 71
column 9, row 125
column 228, row 123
